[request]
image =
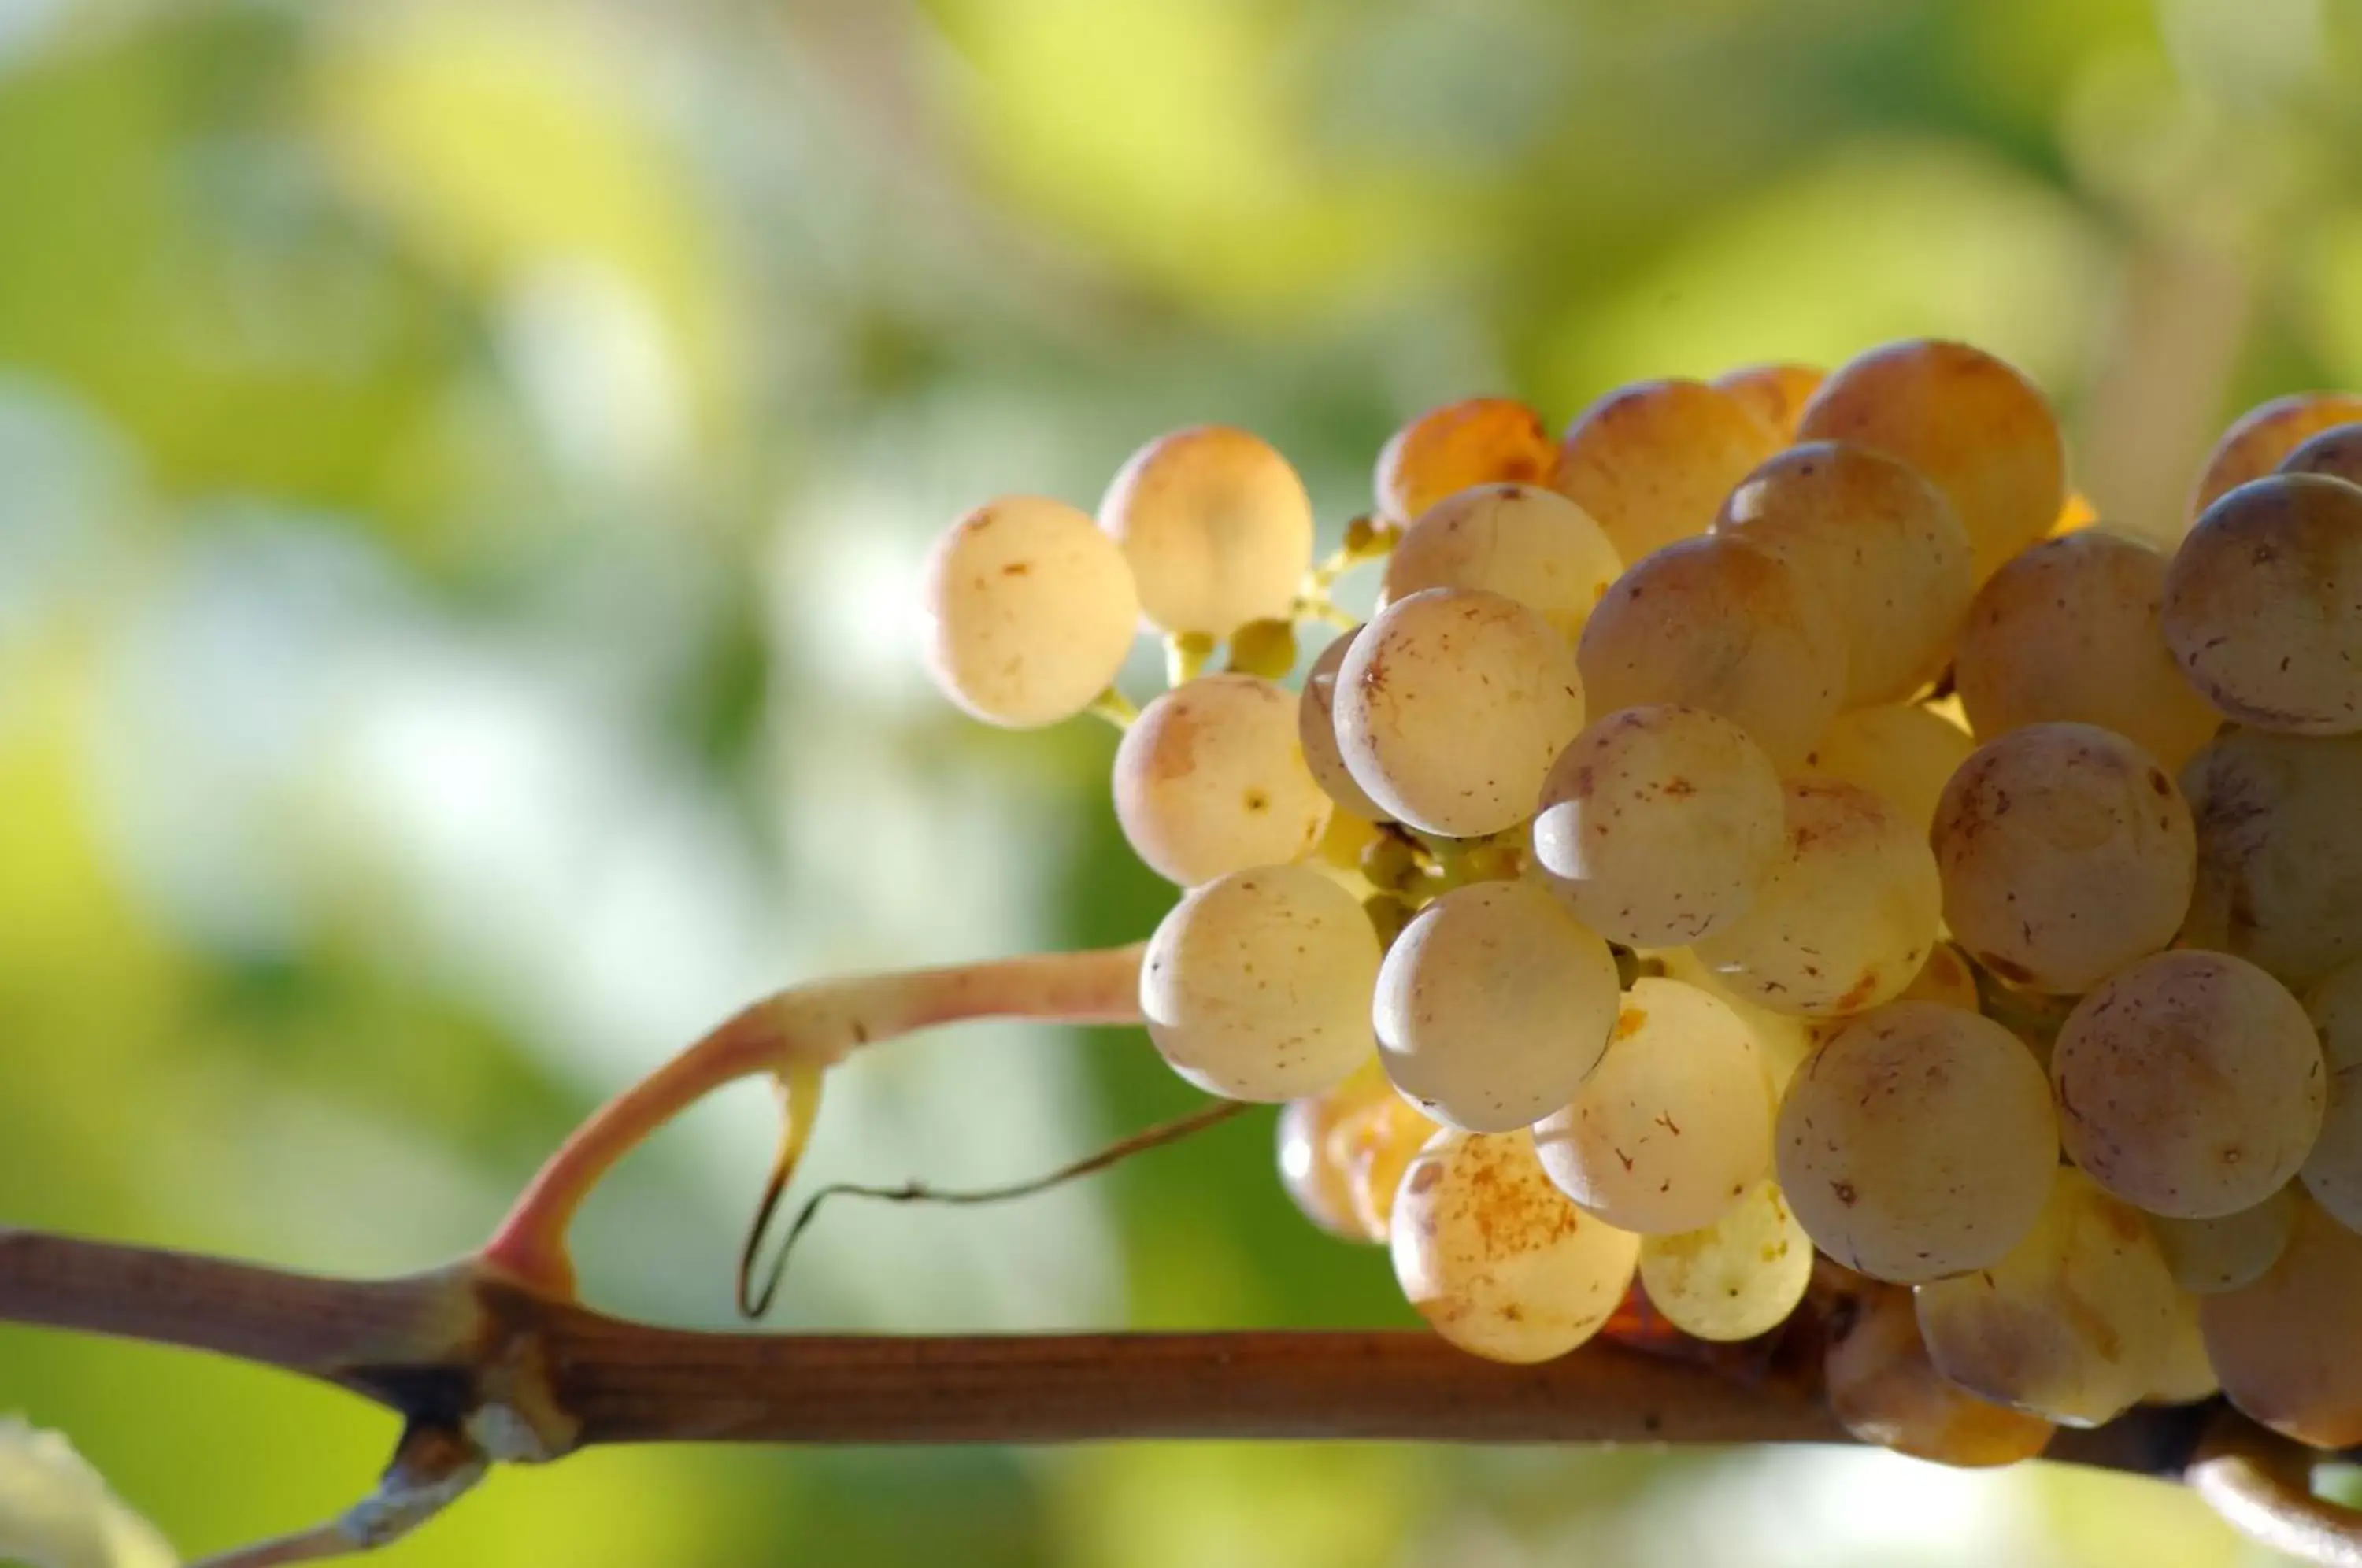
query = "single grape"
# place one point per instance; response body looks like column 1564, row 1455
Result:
column 2336, row 452
column 2280, row 865
column 2284, row 1345
column 1774, row 394
column 1520, row 541
column 1781, row 1040
column 2070, row 631
column 2230, row 1250
column 1256, row 986
column 1375, row 1146
column 1217, row 527
column 1917, row 1142
column 1478, row 440
column 1492, row 1004
column 2258, row 439
column 2184, row 1375
column 2263, row 604
column 1733, row 1279
column 1882, row 1388
column 1030, row 611
column 2072, row 1325
column 1498, row 1259
column 1904, row 752
column 1451, row 706
column 1674, row 1125
column 1653, row 461
column 2190, row 1084
column 1211, row 779
column 2332, row 1170
column 2066, row 853
column 1969, row 422
column 1882, row 544
column 1316, row 732
column 1846, row 917
column 1723, row 625
column 1658, row 824
column 1312, row 1166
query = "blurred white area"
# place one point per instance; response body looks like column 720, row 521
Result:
column 56, row 1511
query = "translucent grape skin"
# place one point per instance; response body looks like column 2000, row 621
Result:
column 1375, row 1146
column 2263, row 604
column 1658, row 824
column 1492, row 1005
column 1781, row 1040
column 1723, row 625
column 1883, row 544
column 2230, row 1250
column 1316, row 732
column 1847, row 916
column 2073, row 1325
column 1775, row 393
column 1477, row 440
column 1882, row 1388
column 1917, row 1142
column 1451, row 706
column 2070, row 631
column 1256, row 986
column 1653, row 461
column 1313, row 1168
column 1499, row 1260
column 2333, row 1169
column 1030, row 611
column 2336, row 452
column 2258, row 439
column 1674, row 1125
column 2280, row 865
column 1217, row 527
column 2190, row 1084
column 1735, row 1278
column 1210, row 779
column 1969, row 422
column 1904, row 752
column 2066, row 853
column 2284, row 1346
column 1521, row 541
column 2184, row 1375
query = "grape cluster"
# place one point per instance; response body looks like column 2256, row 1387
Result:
column 1774, row 834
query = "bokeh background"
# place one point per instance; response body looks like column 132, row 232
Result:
column 463, row 468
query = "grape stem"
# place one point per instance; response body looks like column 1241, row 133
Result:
column 795, row 1035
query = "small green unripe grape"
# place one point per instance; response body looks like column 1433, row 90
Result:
column 1217, row 527
column 1030, row 612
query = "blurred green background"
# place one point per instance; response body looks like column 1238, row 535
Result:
column 462, row 472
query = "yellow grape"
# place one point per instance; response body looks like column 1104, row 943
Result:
column 1721, row 624
column 1774, row 394
column 1211, row 779
column 2074, row 1324
column 1847, row 916
column 2336, row 452
column 1917, row 1142
column 2184, row 1375
column 2190, row 1084
column 1256, row 986
column 1735, row 1278
column 2258, row 439
column 1520, row 541
column 1316, row 732
column 1653, row 461
column 1498, row 1259
column 2263, row 604
column 2070, row 631
column 1781, row 1040
column 2280, row 865
column 1451, row 706
column 1882, row 1388
column 2284, row 1346
column 1492, row 1005
column 2332, row 1170
column 1904, row 752
column 1313, row 1169
column 1478, row 440
column 1373, row 1146
column 1217, row 527
column 1969, row 422
column 1030, row 611
column 1658, row 824
column 2066, row 853
column 1674, row 1123
column 2230, row 1250
column 1882, row 544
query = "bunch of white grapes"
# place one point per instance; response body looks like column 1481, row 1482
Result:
column 1773, row 831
